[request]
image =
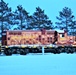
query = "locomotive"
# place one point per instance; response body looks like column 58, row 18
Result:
column 26, row 41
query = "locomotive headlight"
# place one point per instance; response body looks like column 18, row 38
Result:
column 34, row 46
column 6, row 46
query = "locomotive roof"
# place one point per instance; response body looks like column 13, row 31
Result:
column 28, row 30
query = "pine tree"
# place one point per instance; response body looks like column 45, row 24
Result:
column 65, row 19
column 39, row 20
column 72, row 28
column 5, row 16
column 21, row 16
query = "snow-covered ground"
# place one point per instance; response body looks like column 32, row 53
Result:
column 38, row 64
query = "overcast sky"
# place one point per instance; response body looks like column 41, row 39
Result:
column 51, row 7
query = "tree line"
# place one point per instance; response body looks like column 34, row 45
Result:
column 21, row 20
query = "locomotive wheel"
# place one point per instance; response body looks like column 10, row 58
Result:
column 54, row 52
column 8, row 52
column 24, row 51
column 21, row 52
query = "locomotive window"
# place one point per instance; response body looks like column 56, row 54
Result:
column 61, row 35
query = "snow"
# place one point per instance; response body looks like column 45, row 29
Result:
column 38, row 64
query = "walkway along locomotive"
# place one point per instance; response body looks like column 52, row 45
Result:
column 31, row 41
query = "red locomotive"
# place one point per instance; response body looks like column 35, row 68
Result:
column 24, row 41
